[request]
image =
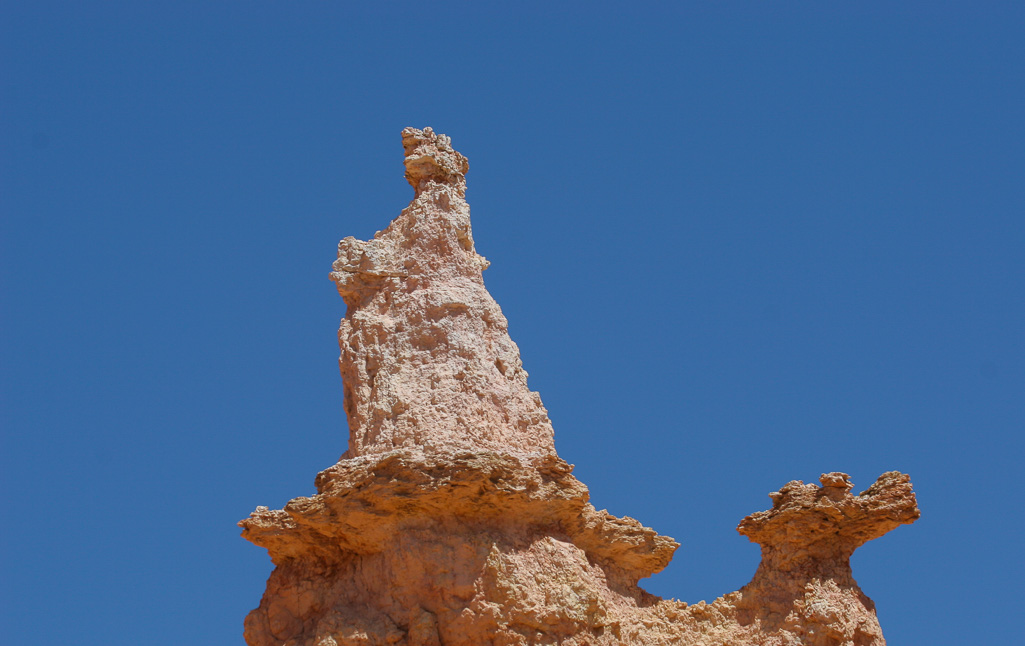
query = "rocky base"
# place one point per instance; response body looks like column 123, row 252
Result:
column 408, row 548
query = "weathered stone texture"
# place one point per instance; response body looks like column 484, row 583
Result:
column 427, row 361
column 451, row 521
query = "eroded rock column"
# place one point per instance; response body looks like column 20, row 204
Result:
column 426, row 357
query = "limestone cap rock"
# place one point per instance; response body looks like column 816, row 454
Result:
column 431, row 158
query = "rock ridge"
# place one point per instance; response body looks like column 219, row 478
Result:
column 451, row 520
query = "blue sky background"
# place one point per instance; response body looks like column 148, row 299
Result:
column 737, row 243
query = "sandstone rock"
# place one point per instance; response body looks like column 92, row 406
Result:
column 451, row 520
column 427, row 361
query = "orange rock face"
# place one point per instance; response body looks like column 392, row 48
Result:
column 427, row 361
column 451, row 521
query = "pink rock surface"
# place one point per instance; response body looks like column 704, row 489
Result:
column 426, row 360
column 451, row 520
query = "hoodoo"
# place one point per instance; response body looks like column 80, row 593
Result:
column 450, row 520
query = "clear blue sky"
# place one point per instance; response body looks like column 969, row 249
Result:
column 737, row 243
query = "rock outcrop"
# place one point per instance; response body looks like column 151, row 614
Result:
column 450, row 520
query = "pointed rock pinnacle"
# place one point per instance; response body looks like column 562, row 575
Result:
column 426, row 357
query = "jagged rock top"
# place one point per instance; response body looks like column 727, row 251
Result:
column 431, row 158
column 426, row 357
column 818, row 528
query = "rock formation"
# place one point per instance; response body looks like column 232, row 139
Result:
column 427, row 361
column 451, row 521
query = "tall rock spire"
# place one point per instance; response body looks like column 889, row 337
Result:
column 426, row 357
